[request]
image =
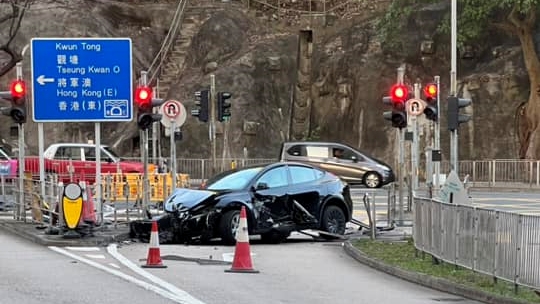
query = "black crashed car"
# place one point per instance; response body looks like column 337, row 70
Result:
column 279, row 198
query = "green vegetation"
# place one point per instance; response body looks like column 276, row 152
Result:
column 405, row 256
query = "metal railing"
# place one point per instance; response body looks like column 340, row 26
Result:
column 501, row 244
column 493, row 173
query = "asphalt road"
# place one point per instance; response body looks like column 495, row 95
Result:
column 33, row 274
column 299, row 271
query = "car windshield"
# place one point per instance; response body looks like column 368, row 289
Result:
column 236, row 180
column 112, row 153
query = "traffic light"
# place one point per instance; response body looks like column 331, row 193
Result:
column 17, row 96
column 145, row 104
column 223, row 107
column 454, row 117
column 201, row 101
column 431, row 110
column 399, row 94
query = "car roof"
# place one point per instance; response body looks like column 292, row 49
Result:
column 84, row 145
column 274, row 164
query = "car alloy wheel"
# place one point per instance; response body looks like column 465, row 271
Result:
column 372, row 180
column 228, row 226
column 334, row 220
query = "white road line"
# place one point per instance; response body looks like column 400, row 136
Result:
column 184, row 296
column 162, row 292
column 95, row 256
column 83, row 248
column 114, row 265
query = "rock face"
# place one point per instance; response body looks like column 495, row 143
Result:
column 253, row 55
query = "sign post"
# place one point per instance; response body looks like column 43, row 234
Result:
column 82, row 80
column 173, row 115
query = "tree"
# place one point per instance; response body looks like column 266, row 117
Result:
column 11, row 20
column 475, row 18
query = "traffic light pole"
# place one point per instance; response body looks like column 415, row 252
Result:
column 144, row 152
column 453, row 81
column 21, row 210
column 401, row 153
column 414, row 145
column 212, row 117
column 437, row 141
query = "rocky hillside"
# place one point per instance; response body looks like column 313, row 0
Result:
column 253, row 54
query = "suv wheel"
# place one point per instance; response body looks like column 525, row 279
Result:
column 333, row 220
column 228, row 225
column 372, row 180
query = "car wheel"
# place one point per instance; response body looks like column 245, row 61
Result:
column 372, row 180
column 228, row 225
column 333, row 220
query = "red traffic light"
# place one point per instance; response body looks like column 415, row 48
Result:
column 18, row 89
column 399, row 93
column 143, row 96
column 430, row 90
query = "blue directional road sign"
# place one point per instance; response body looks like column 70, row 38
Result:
column 86, row 79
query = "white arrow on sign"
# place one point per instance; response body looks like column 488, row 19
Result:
column 42, row 79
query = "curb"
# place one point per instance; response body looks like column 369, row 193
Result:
column 428, row 281
column 42, row 239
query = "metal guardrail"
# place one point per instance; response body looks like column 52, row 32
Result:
column 501, row 244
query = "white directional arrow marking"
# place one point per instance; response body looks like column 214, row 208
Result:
column 42, row 79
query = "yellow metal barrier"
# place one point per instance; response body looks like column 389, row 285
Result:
column 129, row 185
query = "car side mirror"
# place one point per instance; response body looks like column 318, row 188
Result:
column 354, row 158
column 261, row 186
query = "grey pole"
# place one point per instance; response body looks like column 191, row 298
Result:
column 173, row 154
column 414, row 145
column 99, row 205
column 453, row 82
column 401, row 152
column 144, row 152
column 21, row 209
column 213, row 120
column 437, row 143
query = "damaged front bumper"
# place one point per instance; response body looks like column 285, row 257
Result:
column 175, row 227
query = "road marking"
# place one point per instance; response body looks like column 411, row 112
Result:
column 82, row 248
column 162, row 292
column 114, row 265
column 180, row 294
column 517, row 199
column 95, row 256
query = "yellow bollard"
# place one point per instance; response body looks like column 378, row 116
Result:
column 233, row 164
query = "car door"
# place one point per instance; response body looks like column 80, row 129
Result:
column 271, row 189
column 107, row 166
column 345, row 163
column 68, row 160
column 305, row 187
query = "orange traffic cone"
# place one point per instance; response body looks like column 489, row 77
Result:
column 242, row 252
column 154, row 256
